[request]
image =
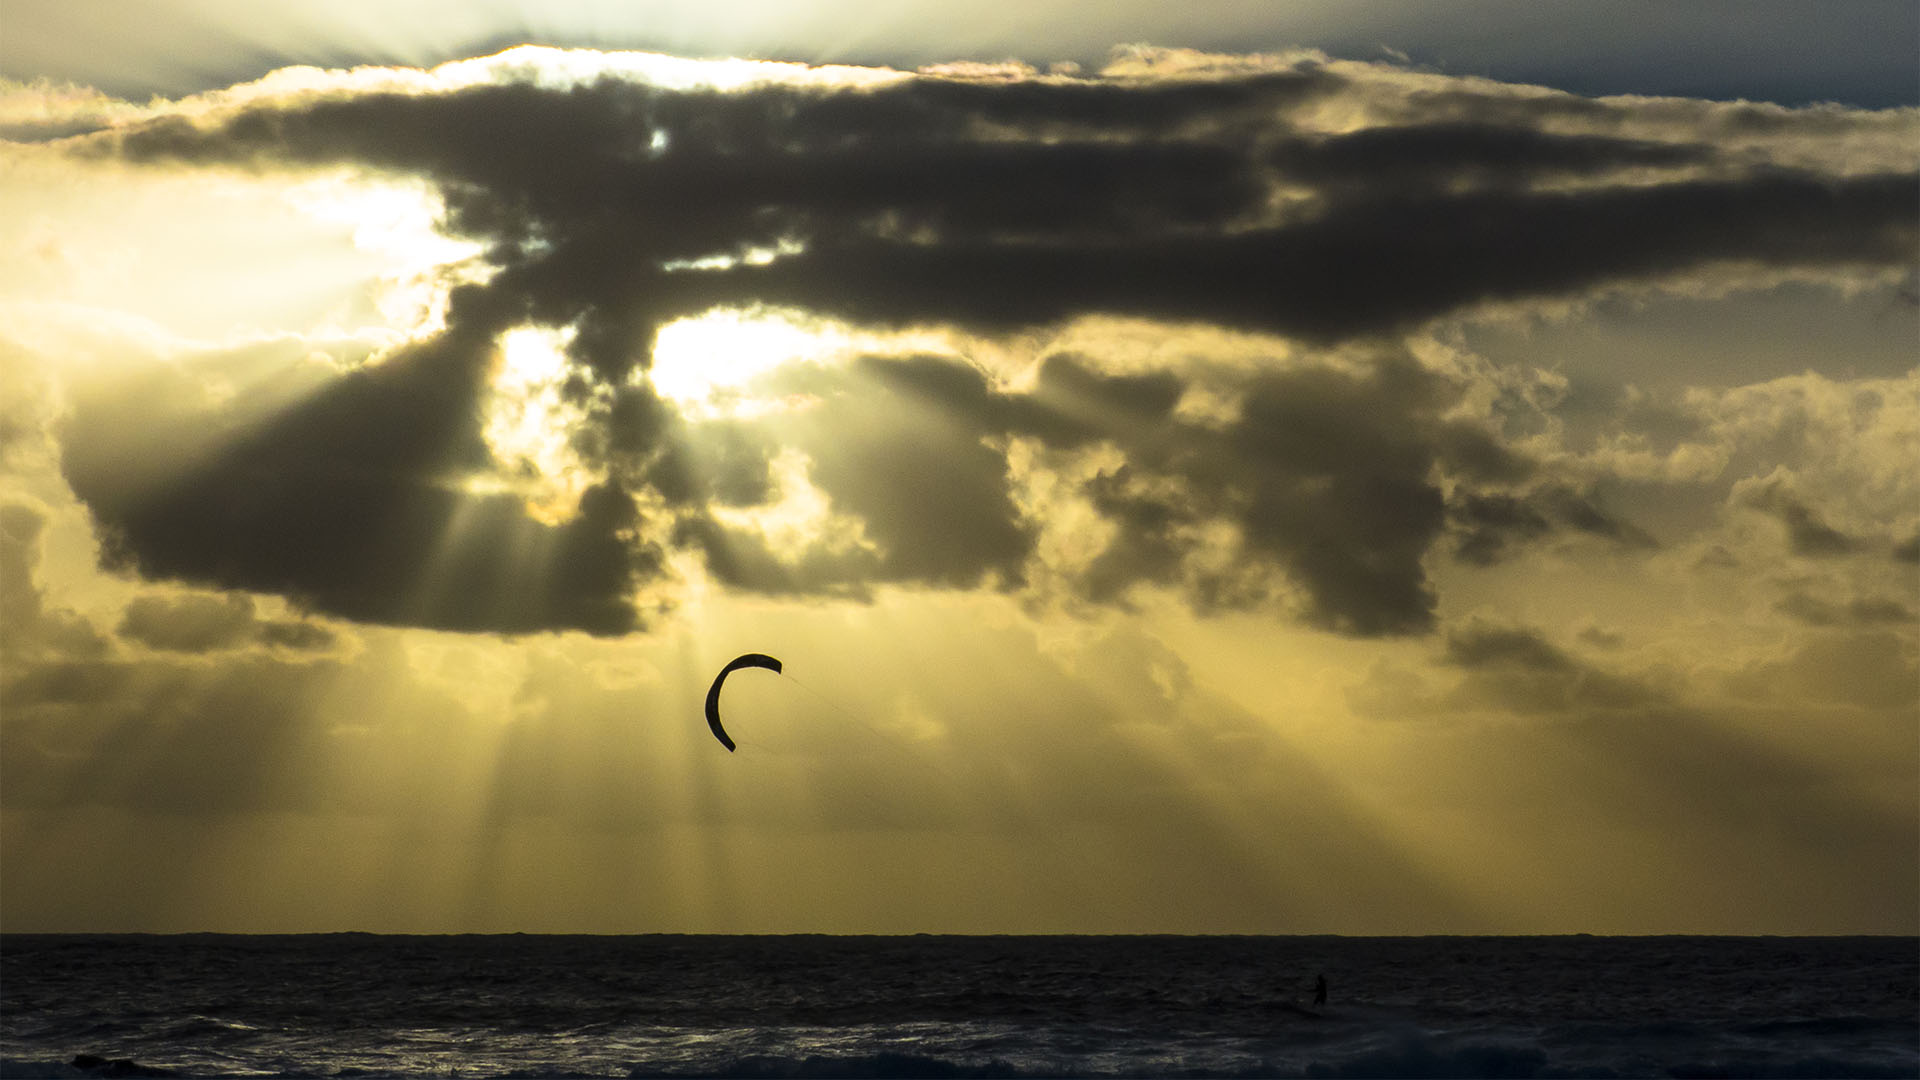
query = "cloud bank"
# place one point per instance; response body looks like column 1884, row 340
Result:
column 1329, row 210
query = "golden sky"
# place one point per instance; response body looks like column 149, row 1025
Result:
column 1193, row 491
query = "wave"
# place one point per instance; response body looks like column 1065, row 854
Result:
column 1415, row 1058
column 905, row 1066
column 48, row 1068
column 86, row 1065
column 678, row 1008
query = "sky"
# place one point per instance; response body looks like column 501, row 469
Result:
column 1236, row 469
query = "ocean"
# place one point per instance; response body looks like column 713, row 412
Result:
column 359, row 1005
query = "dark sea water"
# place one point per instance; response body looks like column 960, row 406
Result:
column 346, row 1005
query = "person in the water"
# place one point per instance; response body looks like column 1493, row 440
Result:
column 1319, row 990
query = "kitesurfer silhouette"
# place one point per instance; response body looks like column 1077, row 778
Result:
column 1319, row 990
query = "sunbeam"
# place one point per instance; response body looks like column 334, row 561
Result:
column 1253, row 505
column 1195, row 491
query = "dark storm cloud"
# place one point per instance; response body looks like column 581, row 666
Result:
column 1492, row 524
column 1147, row 545
column 582, row 209
column 1519, row 669
column 1465, row 102
column 1356, row 270
column 1000, row 206
column 348, row 502
column 744, row 560
column 190, row 624
column 903, row 446
column 1422, row 159
column 997, row 206
column 1327, row 477
column 1479, row 646
column 898, row 445
column 931, row 494
column 1602, row 638
column 1908, row 550
column 202, row 623
column 1807, row 533
column 1717, row 558
column 725, row 462
column 1859, row 611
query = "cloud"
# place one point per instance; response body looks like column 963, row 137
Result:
column 1908, row 550
column 1000, row 204
column 1353, row 272
column 190, row 624
column 1786, row 477
column 349, row 501
column 1823, row 455
column 1869, row 667
column 32, row 629
column 1427, row 159
column 1324, row 480
column 420, row 741
column 20, row 527
column 87, row 724
column 1492, row 524
column 1807, row 534
column 1860, row 611
column 1803, row 759
column 1601, row 637
column 198, row 623
column 1518, row 669
column 1337, row 205
column 1481, row 646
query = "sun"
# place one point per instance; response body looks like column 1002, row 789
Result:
column 707, row 364
column 395, row 220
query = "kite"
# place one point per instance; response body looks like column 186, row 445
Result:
column 752, row 659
